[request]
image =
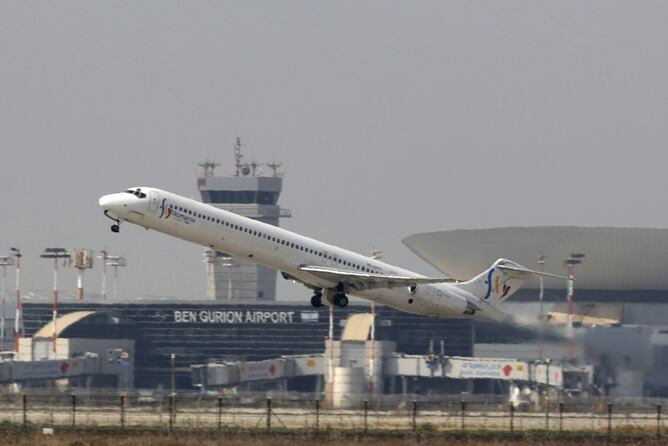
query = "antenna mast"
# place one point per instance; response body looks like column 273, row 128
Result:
column 274, row 166
column 237, row 155
column 208, row 167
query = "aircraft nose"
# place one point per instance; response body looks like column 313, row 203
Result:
column 107, row 201
column 113, row 202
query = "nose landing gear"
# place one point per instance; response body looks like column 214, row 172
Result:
column 115, row 227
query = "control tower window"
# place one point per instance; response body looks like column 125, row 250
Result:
column 242, row 196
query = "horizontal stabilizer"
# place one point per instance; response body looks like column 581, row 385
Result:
column 520, row 271
column 367, row 281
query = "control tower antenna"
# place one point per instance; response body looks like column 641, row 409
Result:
column 253, row 165
column 237, row 156
column 208, row 167
column 274, row 166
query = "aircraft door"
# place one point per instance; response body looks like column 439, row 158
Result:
column 153, row 201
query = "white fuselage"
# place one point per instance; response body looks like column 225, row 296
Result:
column 285, row 251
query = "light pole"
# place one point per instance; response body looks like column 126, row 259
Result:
column 173, row 361
column 82, row 259
column 541, row 344
column 116, row 261
column 210, row 257
column 569, row 263
column 5, row 261
column 18, row 321
column 376, row 255
column 547, row 392
column 229, row 263
column 55, row 254
column 103, row 257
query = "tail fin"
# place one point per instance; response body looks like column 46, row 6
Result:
column 500, row 281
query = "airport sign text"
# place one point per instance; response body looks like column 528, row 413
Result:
column 233, row 317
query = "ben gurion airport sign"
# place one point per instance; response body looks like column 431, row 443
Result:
column 243, row 317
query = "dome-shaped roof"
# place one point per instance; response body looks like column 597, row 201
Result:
column 616, row 258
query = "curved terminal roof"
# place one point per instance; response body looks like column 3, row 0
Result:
column 62, row 324
column 616, row 258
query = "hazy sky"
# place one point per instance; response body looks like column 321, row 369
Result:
column 390, row 118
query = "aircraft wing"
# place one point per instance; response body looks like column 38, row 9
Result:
column 367, row 281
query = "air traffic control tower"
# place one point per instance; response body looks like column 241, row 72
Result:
column 252, row 194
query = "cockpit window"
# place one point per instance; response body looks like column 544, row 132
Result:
column 137, row 193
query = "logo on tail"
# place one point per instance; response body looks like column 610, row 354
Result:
column 501, row 288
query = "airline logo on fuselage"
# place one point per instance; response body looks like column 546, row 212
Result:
column 167, row 211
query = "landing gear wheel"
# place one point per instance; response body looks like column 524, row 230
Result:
column 115, row 228
column 316, row 300
column 340, row 300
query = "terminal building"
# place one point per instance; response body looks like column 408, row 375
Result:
column 201, row 332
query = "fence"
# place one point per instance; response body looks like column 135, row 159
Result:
column 195, row 411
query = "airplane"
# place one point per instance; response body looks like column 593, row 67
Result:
column 329, row 271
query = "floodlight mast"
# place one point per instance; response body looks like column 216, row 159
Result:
column 81, row 259
column 569, row 263
column 541, row 294
column 377, row 255
column 116, row 261
column 18, row 320
column 103, row 257
column 5, row 261
column 55, row 254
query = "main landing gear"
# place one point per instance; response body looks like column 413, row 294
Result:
column 316, row 300
column 115, row 227
column 340, row 300
column 337, row 297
